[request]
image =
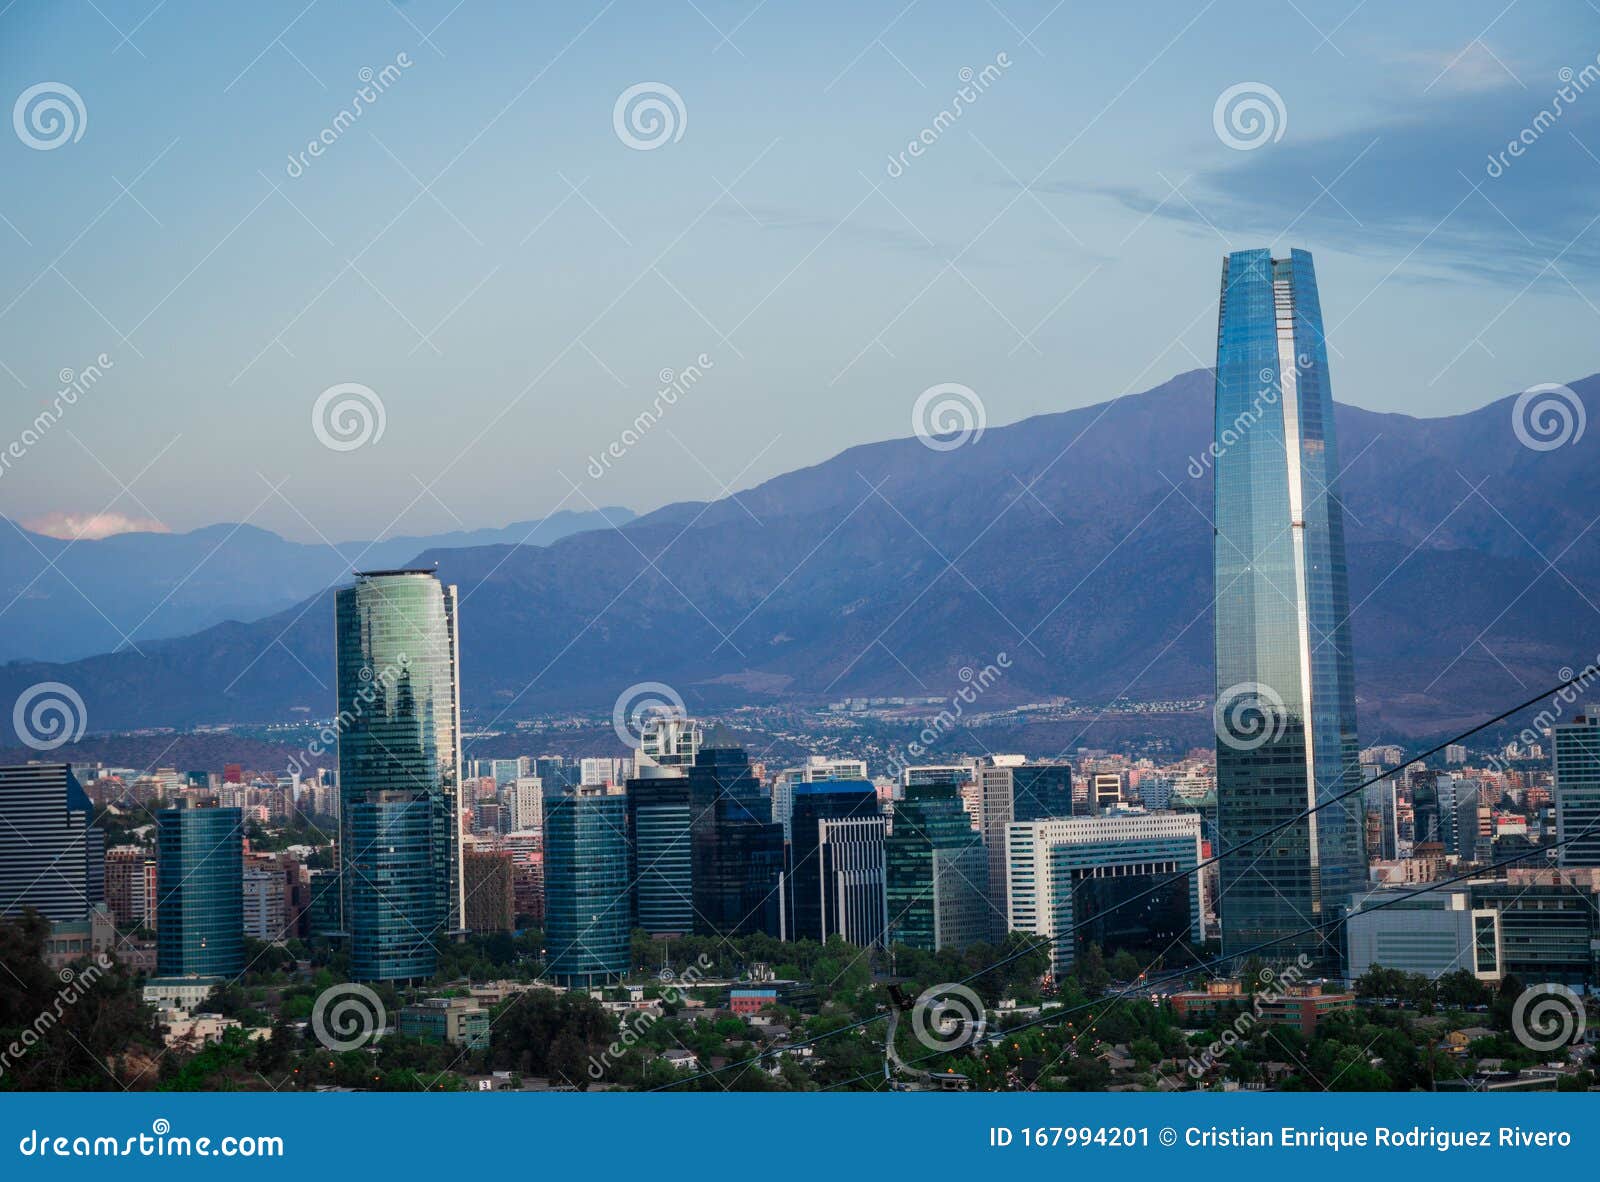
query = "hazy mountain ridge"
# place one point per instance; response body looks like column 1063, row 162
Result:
column 1081, row 545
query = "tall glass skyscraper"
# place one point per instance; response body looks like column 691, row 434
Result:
column 1285, row 714
column 658, row 823
column 936, row 871
column 200, row 888
column 588, row 906
column 736, row 849
column 399, row 766
column 818, row 875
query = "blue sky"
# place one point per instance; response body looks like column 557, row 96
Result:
column 484, row 252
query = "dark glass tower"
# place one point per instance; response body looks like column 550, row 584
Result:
column 736, row 848
column 1041, row 791
column 588, row 907
column 200, row 877
column 658, row 823
column 52, row 858
column 1286, row 718
column 937, row 871
column 399, row 760
column 814, row 908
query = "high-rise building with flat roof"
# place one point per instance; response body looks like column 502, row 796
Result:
column 737, row 851
column 200, row 913
column 659, row 832
column 1125, row 880
column 52, row 857
column 1285, row 711
column 824, row 877
column 588, row 905
column 399, row 763
column 1577, row 788
column 936, row 871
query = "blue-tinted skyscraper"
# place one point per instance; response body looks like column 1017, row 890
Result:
column 399, row 766
column 200, row 877
column 1286, row 719
column 836, row 871
column 588, row 904
column 658, row 825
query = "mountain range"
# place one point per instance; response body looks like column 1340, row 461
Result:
column 71, row 599
column 1076, row 544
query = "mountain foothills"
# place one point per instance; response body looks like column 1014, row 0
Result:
column 71, row 599
column 1076, row 544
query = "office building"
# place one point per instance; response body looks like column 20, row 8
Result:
column 588, row 906
column 1577, row 788
column 737, row 852
column 491, row 896
column 454, row 1021
column 131, row 886
column 669, row 740
column 1125, row 880
column 1040, row 791
column 1105, row 792
column 1434, row 933
column 658, row 825
column 399, row 722
column 52, row 857
column 936, row 871
column 200, row 913
column 816, row 768
column 264, row 914
column 1548, row 932
column 996, row 810
column 522, row 805
column 1286, row 733
column 828, row 882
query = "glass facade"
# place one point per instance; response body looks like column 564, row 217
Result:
column 813, row 909
column 1577, row 788
column 399, row 761
column 200, row 889
column 588, row 906
column 737, row 850
column 1286, row 722
column 937, row 871
column 1041, row 791
column 663, row 884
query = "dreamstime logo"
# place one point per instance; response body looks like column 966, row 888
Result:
column 1249, row 715
column 1548, row 416
column 348, row 416
column 347, row 1017
column 973, row 85
column 1548, row 1016
column 641, row 702
column 648, row 115
column 373, row 84
column 49, row 714
column 947, row 416
column 1248, row 115
column 673, row 386
column 948, row 1017
column 49, row 114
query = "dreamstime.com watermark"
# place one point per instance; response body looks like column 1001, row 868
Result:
column 976, row 682
column 638, row 704
column 1545, row 1017
column 636, row 1024
column 1573, row 84
column 373, row 84
column 48, row 115
column 948, row 416
column 973, row 84
column 1249, row 715
column 372, row 685
column 348, row 1016
column 1266, row 396
column 1275, row 986
column 673, row 387
column 158, row 1142
column 49, row 714
column 76, row 984
column 73, row 386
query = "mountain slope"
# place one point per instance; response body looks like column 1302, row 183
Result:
column 72, row 599
column 1077, row 543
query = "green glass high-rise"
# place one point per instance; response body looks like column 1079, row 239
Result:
column 399, row 729
column 200, row 877
column 936, row 871
column 588, row 903
column 1285, row 714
